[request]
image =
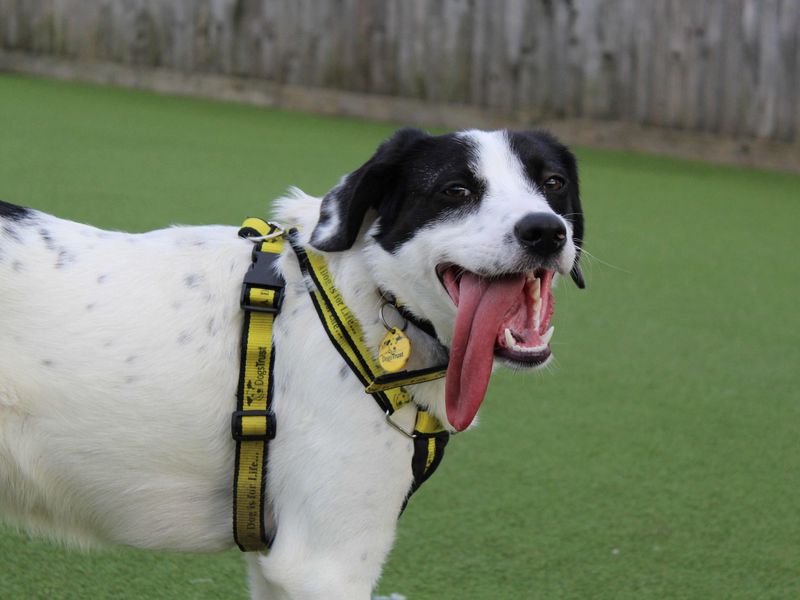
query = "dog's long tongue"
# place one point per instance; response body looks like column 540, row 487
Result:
column 482, row 305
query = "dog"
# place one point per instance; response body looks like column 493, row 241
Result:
column 119, row 354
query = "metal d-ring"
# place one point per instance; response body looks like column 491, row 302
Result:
column 383, row 317
column 398, row 428
column 279, row 231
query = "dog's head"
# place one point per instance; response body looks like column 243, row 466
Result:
column 469, row 230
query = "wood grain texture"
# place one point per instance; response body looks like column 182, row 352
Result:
column 729, row 67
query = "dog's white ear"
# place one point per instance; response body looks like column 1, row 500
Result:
column 345, row 206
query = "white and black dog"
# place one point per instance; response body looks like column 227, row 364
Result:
column 119, row 354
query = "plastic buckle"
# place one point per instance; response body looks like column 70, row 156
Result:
column 262, row 275
column 245, row 304
column 236, row 426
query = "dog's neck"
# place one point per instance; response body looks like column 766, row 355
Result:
column 352, row 273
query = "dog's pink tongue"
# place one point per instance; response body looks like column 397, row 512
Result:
column 482, row 305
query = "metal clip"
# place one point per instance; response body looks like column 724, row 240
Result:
column 278, row 231
column 411, row 436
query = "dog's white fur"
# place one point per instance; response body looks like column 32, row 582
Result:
column 119, row 357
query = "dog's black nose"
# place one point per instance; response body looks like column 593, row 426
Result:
column 542, row 233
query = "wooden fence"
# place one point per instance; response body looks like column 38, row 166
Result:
column 730, row 67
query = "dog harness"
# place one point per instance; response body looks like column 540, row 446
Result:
column 254, row 423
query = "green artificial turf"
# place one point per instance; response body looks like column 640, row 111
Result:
column 658, row 458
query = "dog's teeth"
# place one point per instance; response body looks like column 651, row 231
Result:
column 536, row 289
column 548, row 335
column 510, row 341
column 529, row 349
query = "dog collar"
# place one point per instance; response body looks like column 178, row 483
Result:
column 254, row 423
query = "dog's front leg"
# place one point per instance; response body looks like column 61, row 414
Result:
column 259, row 586
column 335, row 527
column 329, row 580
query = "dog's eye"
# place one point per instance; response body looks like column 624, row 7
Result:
column 457, row 191
column 554, row 183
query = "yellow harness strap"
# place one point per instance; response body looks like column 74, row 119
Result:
column 253, row 423
column 344, row 331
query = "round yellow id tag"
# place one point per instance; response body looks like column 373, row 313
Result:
column 394, row 351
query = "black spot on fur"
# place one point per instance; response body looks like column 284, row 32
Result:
column 210, row 327
column 47, row 362
column 102, row 278
column 12, row 233
column 130, row 359
column 18, row 266
column 64, row 258
column 192, row 280
column 12, row 212
column 90, row 307
column 47, row 239
column 344, row 371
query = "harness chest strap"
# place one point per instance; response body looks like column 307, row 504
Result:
column 344, row 331
column 253, row 423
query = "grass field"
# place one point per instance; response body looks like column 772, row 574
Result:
column 659, row 458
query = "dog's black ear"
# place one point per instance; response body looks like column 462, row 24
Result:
column 345, row 206
column 576, row 218
column 577, row 275
column 574, row 214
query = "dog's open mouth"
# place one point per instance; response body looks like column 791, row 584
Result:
column 506, row 317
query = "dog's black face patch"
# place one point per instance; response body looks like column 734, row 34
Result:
column 435, row 178
column 543, row 158
column 12, row 212
column 411, row 180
